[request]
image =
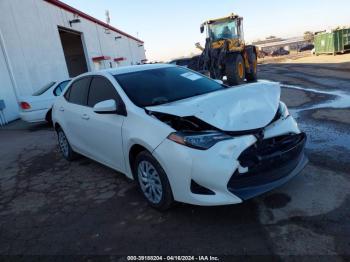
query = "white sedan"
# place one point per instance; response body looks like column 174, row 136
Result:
column 37, row 107
column 180, row 135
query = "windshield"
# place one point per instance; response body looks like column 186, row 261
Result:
column 163, row 85
column 43, row 89
column 223, row 30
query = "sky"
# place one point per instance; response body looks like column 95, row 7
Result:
column 170, row 28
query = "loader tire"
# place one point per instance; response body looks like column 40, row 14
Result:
column 235, row 70
column 253, row 75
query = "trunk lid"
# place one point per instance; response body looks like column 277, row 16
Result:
column 37, row 102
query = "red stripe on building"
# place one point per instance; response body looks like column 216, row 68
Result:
column 118, row 59
column 88, row 17
column 101, row 58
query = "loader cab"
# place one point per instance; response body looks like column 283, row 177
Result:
column 226, row 28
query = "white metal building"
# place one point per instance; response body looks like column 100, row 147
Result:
column 47, row 40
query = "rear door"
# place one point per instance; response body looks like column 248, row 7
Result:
column 103, row 132
column 75, row 113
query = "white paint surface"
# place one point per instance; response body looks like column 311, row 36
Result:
column 97, row 136
column 245, row 107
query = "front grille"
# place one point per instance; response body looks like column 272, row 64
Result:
column 269, row 160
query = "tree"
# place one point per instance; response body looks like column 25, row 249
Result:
column 309, row 36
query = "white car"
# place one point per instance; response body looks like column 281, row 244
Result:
column 181, row 135
column 37, row 107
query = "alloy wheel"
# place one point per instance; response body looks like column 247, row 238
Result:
column 63, row 143
column 150, row 182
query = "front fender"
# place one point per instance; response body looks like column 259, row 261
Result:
column 144, row 130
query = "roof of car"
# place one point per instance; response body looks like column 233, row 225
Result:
column 134, row 68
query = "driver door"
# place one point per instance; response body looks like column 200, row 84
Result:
column 103, row 132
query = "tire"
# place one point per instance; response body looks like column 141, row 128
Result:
column 48, row 117
column 153, row 181
column 235, row 69
column 253, row 75
column 64, row 146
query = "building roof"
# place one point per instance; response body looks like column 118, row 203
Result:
column 267, row 40
column 88, row 17
column 283, row 42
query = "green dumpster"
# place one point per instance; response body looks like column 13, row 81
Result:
column 337, row 41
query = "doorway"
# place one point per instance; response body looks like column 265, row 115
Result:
column 73, row 51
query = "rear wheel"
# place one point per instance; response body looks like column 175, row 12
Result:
column 253, row 75
column 64, row 146
column 153, row 181
column 235, row 69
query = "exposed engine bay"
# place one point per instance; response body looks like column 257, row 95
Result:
column 187, row 123
column 193, row 124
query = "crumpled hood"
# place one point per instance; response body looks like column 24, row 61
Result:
column 241, row 108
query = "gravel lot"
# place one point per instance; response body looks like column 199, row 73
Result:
column 49, row 206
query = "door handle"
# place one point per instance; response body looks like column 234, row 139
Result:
column 85, row 116
column 61, row 109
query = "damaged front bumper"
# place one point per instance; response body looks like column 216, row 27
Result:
column 269, row 164
column 234, row 170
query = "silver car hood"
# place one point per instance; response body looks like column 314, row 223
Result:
column 246, row 107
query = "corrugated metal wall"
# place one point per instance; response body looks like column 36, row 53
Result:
column 33, row 45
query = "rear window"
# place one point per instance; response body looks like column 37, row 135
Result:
column 164, row 85
column 60, row 88
column 44, row 89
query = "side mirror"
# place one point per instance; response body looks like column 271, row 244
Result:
column 219, row 81
column 202, row 28
column 106, row 107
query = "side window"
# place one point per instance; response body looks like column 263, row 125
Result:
column 60, row 88
column 101, row 89
column 66, row 95
column 79, row 91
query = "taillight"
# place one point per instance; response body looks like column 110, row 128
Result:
column 25, row 105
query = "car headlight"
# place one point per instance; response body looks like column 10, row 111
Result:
column 283, row 110
column 199, row 140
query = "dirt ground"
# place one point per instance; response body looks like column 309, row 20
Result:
column 307, row 58
column 325, row 59
column 49, row 206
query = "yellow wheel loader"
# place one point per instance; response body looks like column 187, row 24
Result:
column 225, row 53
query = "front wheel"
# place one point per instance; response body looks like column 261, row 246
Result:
column 153, row 181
